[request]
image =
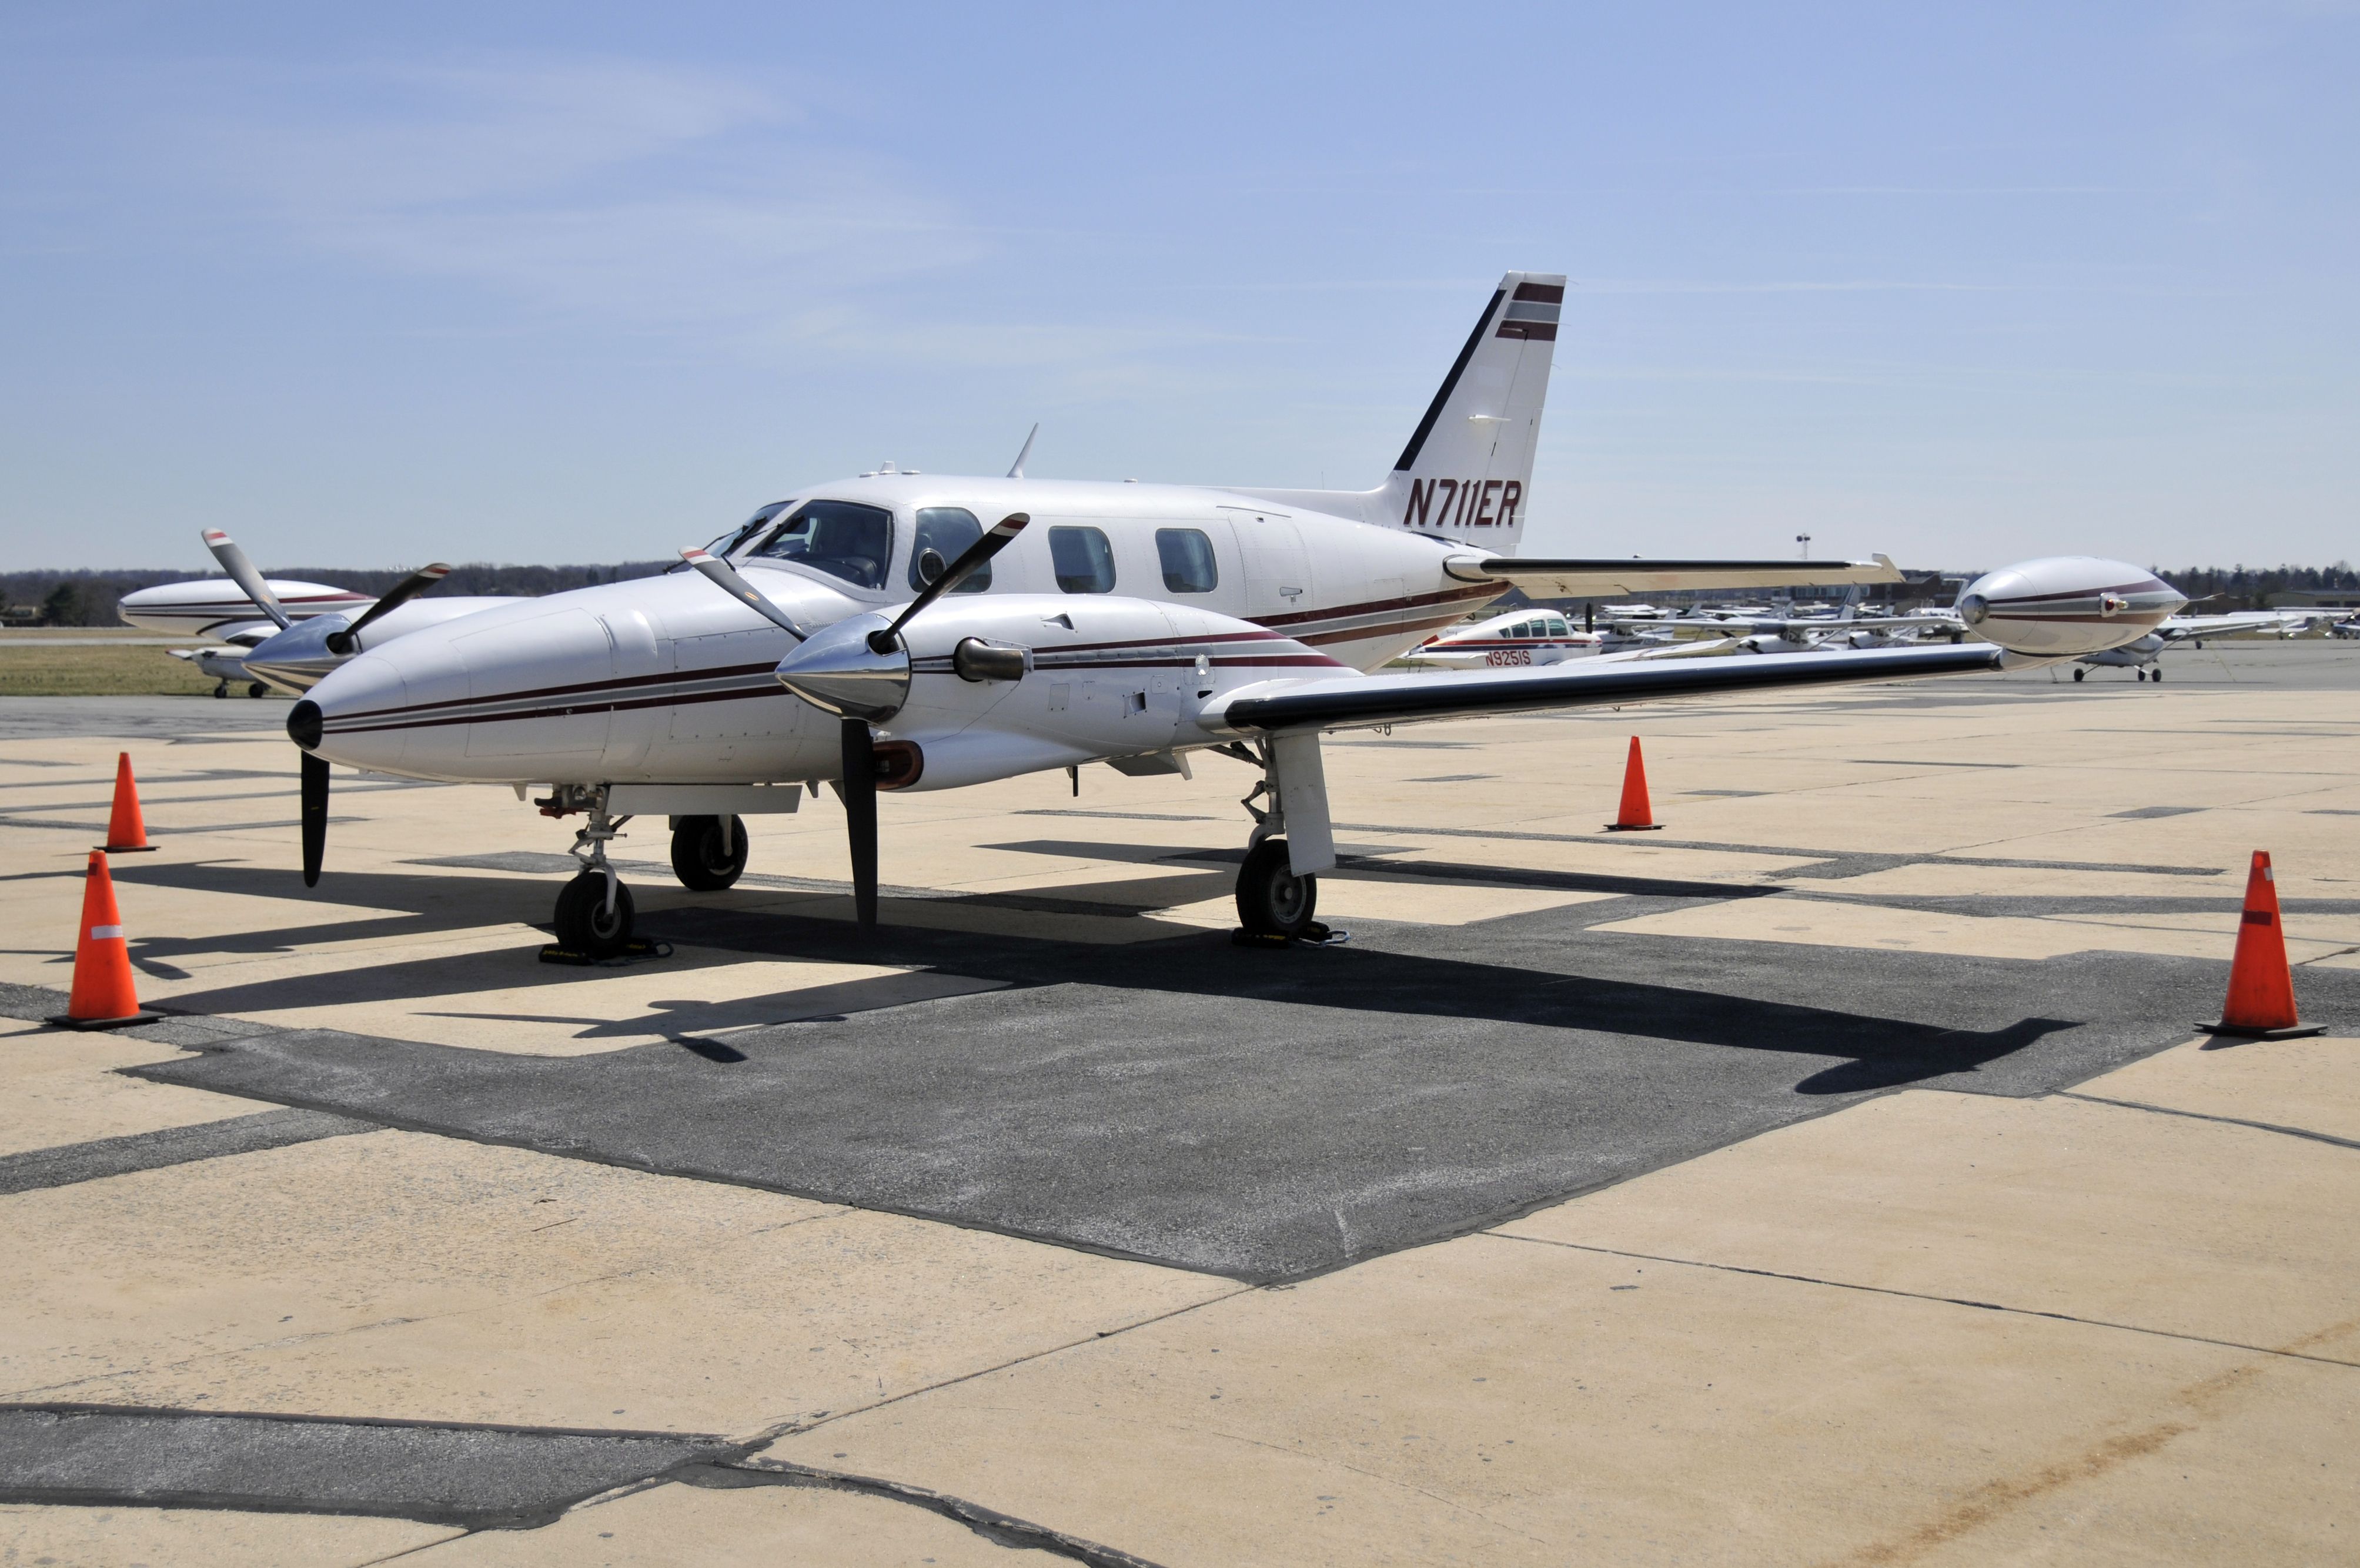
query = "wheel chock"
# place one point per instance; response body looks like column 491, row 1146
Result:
column 639, row 950
column 1313, row 935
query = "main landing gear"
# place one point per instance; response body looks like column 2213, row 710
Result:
column 1274, row 900
column 708, row 853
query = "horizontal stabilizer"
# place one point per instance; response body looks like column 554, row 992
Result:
column 1590, row 579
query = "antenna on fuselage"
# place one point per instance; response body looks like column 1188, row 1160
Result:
column 1016, row 471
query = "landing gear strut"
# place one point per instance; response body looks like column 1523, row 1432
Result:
column 594, row 910
column 708, row 853
column 1273, row 901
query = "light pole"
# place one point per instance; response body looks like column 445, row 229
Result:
column 1805, row 540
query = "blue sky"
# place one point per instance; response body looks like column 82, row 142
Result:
column 377, row 285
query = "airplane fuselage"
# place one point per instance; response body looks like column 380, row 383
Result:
column 665, row 681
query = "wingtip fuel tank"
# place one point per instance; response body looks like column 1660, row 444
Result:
column 2064, row 605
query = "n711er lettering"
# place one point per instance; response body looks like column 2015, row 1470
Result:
column 1463, row 503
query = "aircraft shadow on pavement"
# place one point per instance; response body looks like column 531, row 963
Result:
column 1878, row 1050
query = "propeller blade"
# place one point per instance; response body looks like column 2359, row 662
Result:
column 719, row 572
column 315, row 816
column 242, row 572
column 401, row 593
column 971, row 559
column 860, row 817
column 1016, row 469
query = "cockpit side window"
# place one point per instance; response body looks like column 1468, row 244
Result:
column 842, row 538
column 948, row 531
column 1557, row 626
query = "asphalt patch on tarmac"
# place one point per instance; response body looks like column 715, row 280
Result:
column 477, row 1477
column 1267, row 1116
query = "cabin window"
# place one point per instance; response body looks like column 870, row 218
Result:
column 1188, row 566
column 1082, row 560
column 1519, row 630
column 1557, row 626
column 842, row 538
column 948, row 531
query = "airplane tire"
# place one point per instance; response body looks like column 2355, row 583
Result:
column 2138, row 674
column 2079, row 673
column 255, row 689
column 704, row 858
column 1271, row 900
column 2155, row 675
column 583, row 924
column 221, row 690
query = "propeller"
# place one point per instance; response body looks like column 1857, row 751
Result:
column 971, row 559
column 314, row 816
column 242, row 572
column 408, row 588
column 860, row 817
column 858, row 742
column 721, row 574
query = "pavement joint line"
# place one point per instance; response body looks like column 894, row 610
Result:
column 1927, row 1296
column 1000, row 1529
column 71, row 1164
column 768, row 1435
column 2208, row 1117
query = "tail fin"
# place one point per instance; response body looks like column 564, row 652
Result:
column 1467, row 473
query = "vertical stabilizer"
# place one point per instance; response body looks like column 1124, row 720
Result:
column 1467, row 473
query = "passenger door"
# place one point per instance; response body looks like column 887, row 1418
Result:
column 1277, row 568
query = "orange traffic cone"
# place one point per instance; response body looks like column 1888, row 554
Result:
column 127, row 831
column 2261, row 985
column 1634, row 816
column 103, row 997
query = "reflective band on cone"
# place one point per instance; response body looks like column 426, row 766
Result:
column 103, row 995
column 127, row 831
column 2261, row 982
column 1635, row 816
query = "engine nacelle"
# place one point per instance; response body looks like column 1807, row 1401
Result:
column 992, row 686
column 2063, row 605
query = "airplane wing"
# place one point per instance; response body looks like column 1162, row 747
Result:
column 1588, row 579
column 245, row 634
column 1356, row 702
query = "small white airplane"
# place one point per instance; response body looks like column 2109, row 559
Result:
column 878, row 634
column 288, row 633
column 1519, row 638
column 2144, row 657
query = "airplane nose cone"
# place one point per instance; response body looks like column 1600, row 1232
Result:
column 304, row 725
column 839, row 672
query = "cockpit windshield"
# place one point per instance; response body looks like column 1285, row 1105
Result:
column 725, row 543
column 842, row 539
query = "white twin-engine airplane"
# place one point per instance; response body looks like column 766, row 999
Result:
column 902, row 631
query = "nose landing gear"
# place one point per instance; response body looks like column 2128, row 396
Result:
column 594, row 910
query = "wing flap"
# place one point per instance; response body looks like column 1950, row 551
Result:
column 1349, row 701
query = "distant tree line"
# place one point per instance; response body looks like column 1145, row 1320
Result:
column 89, row 598
column 2216, row 590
